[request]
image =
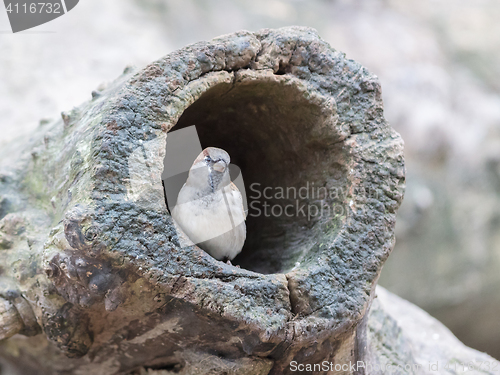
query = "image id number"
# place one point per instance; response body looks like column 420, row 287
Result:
column 34, row 8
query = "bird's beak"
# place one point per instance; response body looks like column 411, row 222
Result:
column 219, row 166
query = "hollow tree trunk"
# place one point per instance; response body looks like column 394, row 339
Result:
column 94, row 271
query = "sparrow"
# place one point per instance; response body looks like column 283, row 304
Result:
column 209, row 206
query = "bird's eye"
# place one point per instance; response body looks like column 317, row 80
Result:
column 219, row 166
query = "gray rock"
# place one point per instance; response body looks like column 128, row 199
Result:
column 403, row 339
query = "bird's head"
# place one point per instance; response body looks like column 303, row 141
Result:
column 211, row 169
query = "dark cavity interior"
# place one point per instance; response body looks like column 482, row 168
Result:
column 282, row 143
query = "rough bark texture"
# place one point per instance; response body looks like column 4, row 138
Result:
column 92, row 267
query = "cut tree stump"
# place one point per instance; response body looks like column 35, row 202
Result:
column 94, row 273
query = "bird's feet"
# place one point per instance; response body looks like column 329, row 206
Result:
column 228, row 262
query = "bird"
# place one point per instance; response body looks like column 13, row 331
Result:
column 210, row 208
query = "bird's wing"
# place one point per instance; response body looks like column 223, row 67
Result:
column 234, row 190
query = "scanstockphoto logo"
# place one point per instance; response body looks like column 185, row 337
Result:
column 24, row 15
column 306, row 201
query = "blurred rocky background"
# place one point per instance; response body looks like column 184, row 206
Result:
column 439, row 65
